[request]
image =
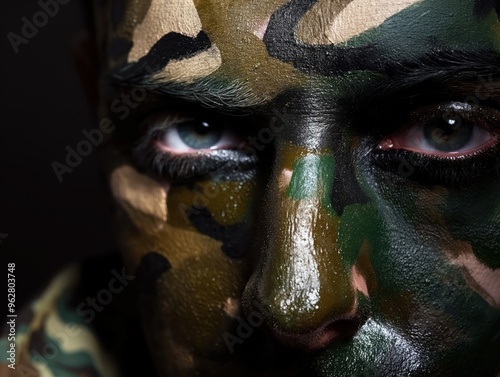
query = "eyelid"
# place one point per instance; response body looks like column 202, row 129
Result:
column 177, row 167
column 484, row 120
column 471, row 112
column 228, row 141
column 156, row 124
column 162, row 121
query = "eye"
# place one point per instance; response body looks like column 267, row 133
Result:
column 179, row 136
column 180, row 147
column 451, row 130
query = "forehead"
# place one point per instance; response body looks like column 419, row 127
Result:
column 269, row 46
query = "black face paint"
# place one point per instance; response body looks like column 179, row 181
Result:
column 152, row 266
column 325, row 60
column 483, row 7
column 235, row 238
column 172, row 46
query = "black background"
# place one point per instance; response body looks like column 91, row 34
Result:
column 44, row 109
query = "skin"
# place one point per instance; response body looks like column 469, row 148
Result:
column 346, row 262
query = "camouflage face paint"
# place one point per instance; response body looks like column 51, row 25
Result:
column 357, row 258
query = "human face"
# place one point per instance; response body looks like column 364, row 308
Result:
column 309, row 188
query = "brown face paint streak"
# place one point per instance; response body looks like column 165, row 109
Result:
column 236, row 54
column 313, row 28
column 302, row 263
column 232, row 26
column 335, row 22
column 227, row 202
column 185, row 295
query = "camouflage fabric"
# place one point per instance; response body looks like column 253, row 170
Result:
column 53, row 340
column 83, row 324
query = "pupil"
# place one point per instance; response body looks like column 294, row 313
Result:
column 448, row 135
column 198, row 134
column 201, row 128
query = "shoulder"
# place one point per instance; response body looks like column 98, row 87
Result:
column 52, row 337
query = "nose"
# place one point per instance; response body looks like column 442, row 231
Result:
column 302, row 286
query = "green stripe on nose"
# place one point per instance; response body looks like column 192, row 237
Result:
column 313, row 176
column 304, row 284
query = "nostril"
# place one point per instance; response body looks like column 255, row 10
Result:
column 342, row 329
column 333, row 332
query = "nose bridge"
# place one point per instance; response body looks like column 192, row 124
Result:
column 304, row 283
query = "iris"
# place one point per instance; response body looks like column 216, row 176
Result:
column 448, row 135
column 199, row 134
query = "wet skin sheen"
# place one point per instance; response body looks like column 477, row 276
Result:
column 308, row 188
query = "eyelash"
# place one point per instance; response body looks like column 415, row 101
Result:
column 179, row 168
column 451, row 171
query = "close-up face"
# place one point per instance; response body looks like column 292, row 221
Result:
column 307, row 188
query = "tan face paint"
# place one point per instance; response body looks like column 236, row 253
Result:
column 232, row 307
column 363, row 277
column 190, row 69
column 359, row 281
column 284, row 179
column 261, row 29
column 144, row 199
column 201, row 311
column 163, row 17
column 481, row 278
column 337, row 21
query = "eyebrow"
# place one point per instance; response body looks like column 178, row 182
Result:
column 211, row 91
column 438, row 67
column 441, row 67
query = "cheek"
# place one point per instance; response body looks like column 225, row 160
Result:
column 438, row 253
column 200, row 234
column 473, row 220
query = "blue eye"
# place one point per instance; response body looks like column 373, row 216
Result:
column 198, row 134
column 194, row 135
column 450, row 131
column 449, row 135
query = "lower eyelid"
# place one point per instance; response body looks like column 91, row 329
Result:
column 186, row 151
column 171, row 137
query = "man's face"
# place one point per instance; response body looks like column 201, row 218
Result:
column 309, row 188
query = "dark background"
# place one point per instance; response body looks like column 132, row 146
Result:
column 44, row 109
